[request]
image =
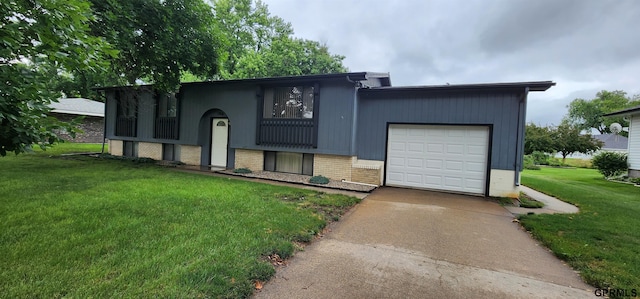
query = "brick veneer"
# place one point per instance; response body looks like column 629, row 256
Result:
column 115, row 147
column 250, row 159
column 332, row 166
column 190, row 154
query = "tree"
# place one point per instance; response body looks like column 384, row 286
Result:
column 567, row 139
column 40, row 38
column 537, row 139
column 587, row 114
column 158, row 41
column 260, row 45
column 289, row 57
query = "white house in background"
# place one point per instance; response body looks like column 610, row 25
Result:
column 634, row 138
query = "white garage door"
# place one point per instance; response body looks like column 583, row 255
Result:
column 451, row 158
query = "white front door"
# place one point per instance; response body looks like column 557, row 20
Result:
column 219, row 136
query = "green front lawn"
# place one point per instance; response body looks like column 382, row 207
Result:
column 87, row 227
column 603, row 240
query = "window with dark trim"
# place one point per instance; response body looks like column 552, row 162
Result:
column 288, row 116
column 299, row 163
column 127, row 113
column 294, row 102
column 166, row 126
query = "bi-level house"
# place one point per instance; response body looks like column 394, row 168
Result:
column 348, row 126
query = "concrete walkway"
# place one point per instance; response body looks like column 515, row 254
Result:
column 552, row 205
column 402, row 243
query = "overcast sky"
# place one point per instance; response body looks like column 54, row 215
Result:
column 584, row 46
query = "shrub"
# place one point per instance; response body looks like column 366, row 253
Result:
column 540, row 158
column 242, row 170
column 635, row 181
column 610, row 163
column 318, row 179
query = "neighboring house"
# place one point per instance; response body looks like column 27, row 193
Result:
column 350, row 126
column 612, row 143
column 634, row 138
column 93, row 123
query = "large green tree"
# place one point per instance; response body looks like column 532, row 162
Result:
column 257, row 44
column 40, row 38
column 537, row 138
column 289, row 57
column 158, row 41
column 568, row 139
column 587, row 114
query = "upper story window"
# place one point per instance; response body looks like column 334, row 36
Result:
column 127, row 112
column 167, row 105
column 166, row 126
column 293, row 102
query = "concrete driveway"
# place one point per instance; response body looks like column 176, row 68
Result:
column 402, row 243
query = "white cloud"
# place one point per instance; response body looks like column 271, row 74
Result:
column 583, row 45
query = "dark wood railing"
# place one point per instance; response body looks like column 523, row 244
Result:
column 166, row 128
column 286, row 132
column 126, row 126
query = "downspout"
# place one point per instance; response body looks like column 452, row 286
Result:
column 354, row 126
column 521, row 115
column 104, row 121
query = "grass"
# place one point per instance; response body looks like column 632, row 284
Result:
column 77, row 226
column 602, row 242
column 527, row 202
column 580, row 163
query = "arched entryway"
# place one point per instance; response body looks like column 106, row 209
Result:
column 214, row 139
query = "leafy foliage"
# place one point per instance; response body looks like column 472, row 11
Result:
column 587, row 114
column 567, row 140
column 158, row 40
column 537, row 138
column 318, row 179
column 242, row 170
column 610, row 163
column 257, row 44
column 39, row 39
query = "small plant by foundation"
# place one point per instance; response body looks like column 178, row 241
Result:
column 242, row 170
column 318, row 179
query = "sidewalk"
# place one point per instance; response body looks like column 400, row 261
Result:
column 552, row 205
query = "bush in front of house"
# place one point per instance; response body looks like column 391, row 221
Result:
column 529, row 164
column 318, row 179
column 242, row 170
column 610, row 163
column 540, row 158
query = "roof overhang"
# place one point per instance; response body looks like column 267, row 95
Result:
column 530, row 86
column 628, row 111
column 355, row 76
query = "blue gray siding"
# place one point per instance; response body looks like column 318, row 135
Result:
column 496, row 109
column 240, row 102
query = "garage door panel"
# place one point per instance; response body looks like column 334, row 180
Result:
column 414, row 163
column 450, row 158
column 455, row 149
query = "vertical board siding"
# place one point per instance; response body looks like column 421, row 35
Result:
column 499, row 109
column 634, row 142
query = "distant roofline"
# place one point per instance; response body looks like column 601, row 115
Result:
column 532, row 85
column 631, row 110
column 353, row 76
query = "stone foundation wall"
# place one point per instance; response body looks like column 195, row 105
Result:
column 92, row 128
column 634, row 173
column 115, row 147
column 250, row 159
column 189, row 154
column 150, row 150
